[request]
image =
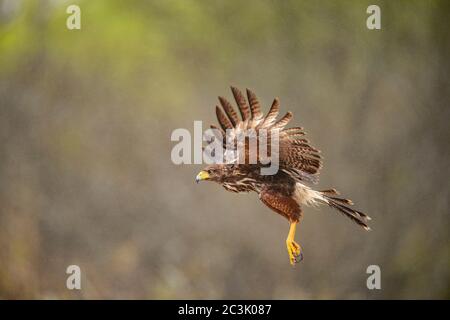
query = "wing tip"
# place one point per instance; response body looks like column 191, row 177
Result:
column 234, row 89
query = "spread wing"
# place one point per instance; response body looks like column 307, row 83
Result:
column 296, row 156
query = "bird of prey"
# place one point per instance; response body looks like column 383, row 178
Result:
column 286, row 191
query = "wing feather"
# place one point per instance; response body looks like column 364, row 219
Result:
column 229, row 110
column 244, row 109
column 272, row 114
column 223, row 136
column 223, row 119
column 280, row 124
column 297, row 156
column 255, row 107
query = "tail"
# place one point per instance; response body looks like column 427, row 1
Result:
column 341, row 204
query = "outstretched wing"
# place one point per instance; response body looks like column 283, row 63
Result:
column 296, row 156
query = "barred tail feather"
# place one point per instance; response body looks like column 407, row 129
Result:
column 342, row 205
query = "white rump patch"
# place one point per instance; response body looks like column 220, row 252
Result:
column 307, row 196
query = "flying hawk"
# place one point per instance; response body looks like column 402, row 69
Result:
column 286, row 191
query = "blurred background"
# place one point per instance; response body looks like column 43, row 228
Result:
column 86, row 176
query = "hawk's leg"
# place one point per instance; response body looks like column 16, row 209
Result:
column 290, row 209
column 293, row 248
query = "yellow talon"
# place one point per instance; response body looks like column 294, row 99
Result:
column 294, row 251
column 293, row 248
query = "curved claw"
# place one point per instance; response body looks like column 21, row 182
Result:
column 301, row 256
column 295, row 252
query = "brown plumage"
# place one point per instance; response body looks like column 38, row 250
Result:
column 299, row 164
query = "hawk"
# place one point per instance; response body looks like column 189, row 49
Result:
column 286, row 191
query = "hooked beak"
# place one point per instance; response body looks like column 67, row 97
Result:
column 202, row 175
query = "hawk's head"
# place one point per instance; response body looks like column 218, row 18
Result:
column 214, row 172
